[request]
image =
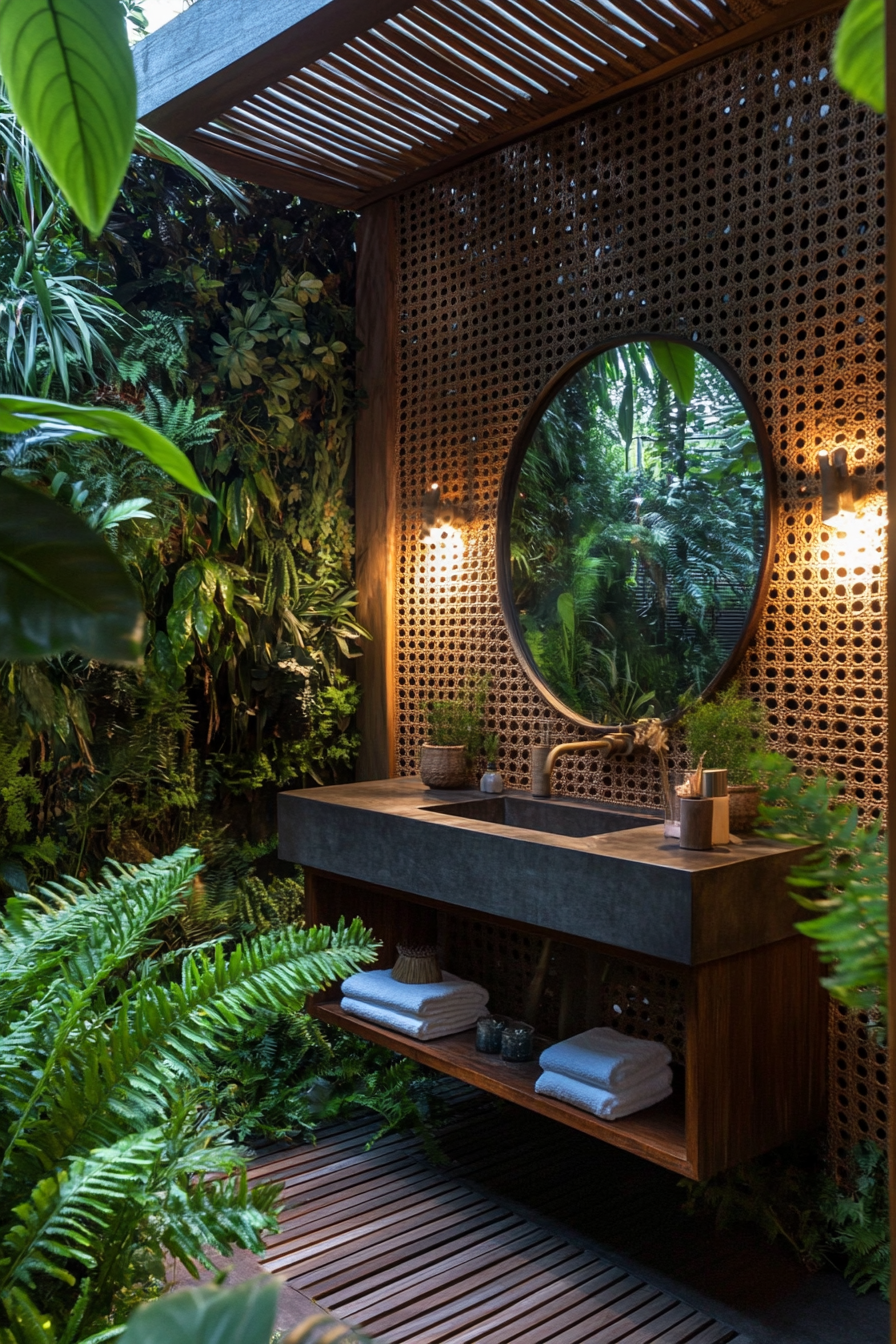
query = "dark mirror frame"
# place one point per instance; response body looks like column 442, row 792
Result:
column 510, row 480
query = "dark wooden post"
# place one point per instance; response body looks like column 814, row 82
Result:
column 375, row 468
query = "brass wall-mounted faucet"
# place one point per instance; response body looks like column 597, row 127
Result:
column 545, row 758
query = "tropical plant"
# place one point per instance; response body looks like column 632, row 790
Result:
column 70, row 80
column 244, row 1314
column 69, row 74
column 288, row 1075
column 859, row 56
column 251, row 606
column 460, row 722
column 859, row 1219
column 105, row 1127
column 842, row 879
column 729, row 730
column 789, row 1197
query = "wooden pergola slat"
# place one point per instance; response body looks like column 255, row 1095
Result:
column 350, row 100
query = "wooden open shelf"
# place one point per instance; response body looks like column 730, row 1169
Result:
column 657, row 1133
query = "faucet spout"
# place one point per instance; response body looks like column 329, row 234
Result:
column 545, row 758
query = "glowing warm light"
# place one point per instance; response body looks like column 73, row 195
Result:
column 443, row 539
column 853, row 545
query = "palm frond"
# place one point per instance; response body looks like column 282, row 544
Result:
column 157, row 147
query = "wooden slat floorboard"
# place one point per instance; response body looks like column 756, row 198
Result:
column 411, row 1253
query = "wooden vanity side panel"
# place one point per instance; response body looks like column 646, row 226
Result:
column 756, row 1053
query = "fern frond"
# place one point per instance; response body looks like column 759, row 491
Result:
column 67, row 1212
column 112, row 917
column 163, row 1033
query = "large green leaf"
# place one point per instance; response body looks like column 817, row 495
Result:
column 244, row 1314
column 18, row 414
column 678, row 364
column 61, row 587
column 859, row 53
column 70, row 78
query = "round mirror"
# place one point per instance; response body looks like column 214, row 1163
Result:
column 634, row 530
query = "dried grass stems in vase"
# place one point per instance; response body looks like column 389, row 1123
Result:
column 416, row 966
column 693, row 782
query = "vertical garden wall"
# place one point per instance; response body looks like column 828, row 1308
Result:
column 227, row 324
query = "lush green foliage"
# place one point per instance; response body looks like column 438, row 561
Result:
column 843, row 880
column 289, row 1075
column 460, row 722
column 62, row 586
column 234, row 349
column 730, row 730
column 859, row 1220
column 789, row 1197
column 105, row 1042
column 859, row 56
column 637, row 531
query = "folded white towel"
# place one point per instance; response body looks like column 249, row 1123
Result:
column 422, row 1029
column 606, row 1059
column 605, row 1105
column 429, row 1001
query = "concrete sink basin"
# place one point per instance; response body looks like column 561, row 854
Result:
column 551, row 816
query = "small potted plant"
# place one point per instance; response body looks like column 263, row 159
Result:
column 454, row 735
column 727, row 731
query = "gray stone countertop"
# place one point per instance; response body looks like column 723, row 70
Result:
column 629, row 887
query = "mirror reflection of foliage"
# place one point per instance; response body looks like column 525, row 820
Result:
column 637, row 531
column 233, row 335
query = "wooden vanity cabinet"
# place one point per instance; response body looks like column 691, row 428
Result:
column 755, row 1039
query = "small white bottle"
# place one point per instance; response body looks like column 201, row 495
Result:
column 491, row 781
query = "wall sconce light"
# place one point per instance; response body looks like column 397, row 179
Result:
column 440, row 516
column 839, row 488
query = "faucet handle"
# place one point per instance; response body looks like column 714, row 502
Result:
column 540, row 774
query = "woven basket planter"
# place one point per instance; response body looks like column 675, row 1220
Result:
column 443, row 767
column 743, row 806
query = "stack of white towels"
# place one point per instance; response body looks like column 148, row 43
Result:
column 606, row 1073
column 422, row 1011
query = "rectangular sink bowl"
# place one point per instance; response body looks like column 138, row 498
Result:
column 551, row 816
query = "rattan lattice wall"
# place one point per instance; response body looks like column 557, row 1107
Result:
column 741, row 204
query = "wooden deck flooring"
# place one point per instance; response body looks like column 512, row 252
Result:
column 411, row 1253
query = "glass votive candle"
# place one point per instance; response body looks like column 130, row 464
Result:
column 516, row 1042
column 489, row 1031
column 672, row 804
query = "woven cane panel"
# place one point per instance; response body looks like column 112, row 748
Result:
column 857, row 1072
column 740, row 204
column 562, row 989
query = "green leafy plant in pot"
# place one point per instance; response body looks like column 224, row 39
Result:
column 455, row 731
column 728, row 731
